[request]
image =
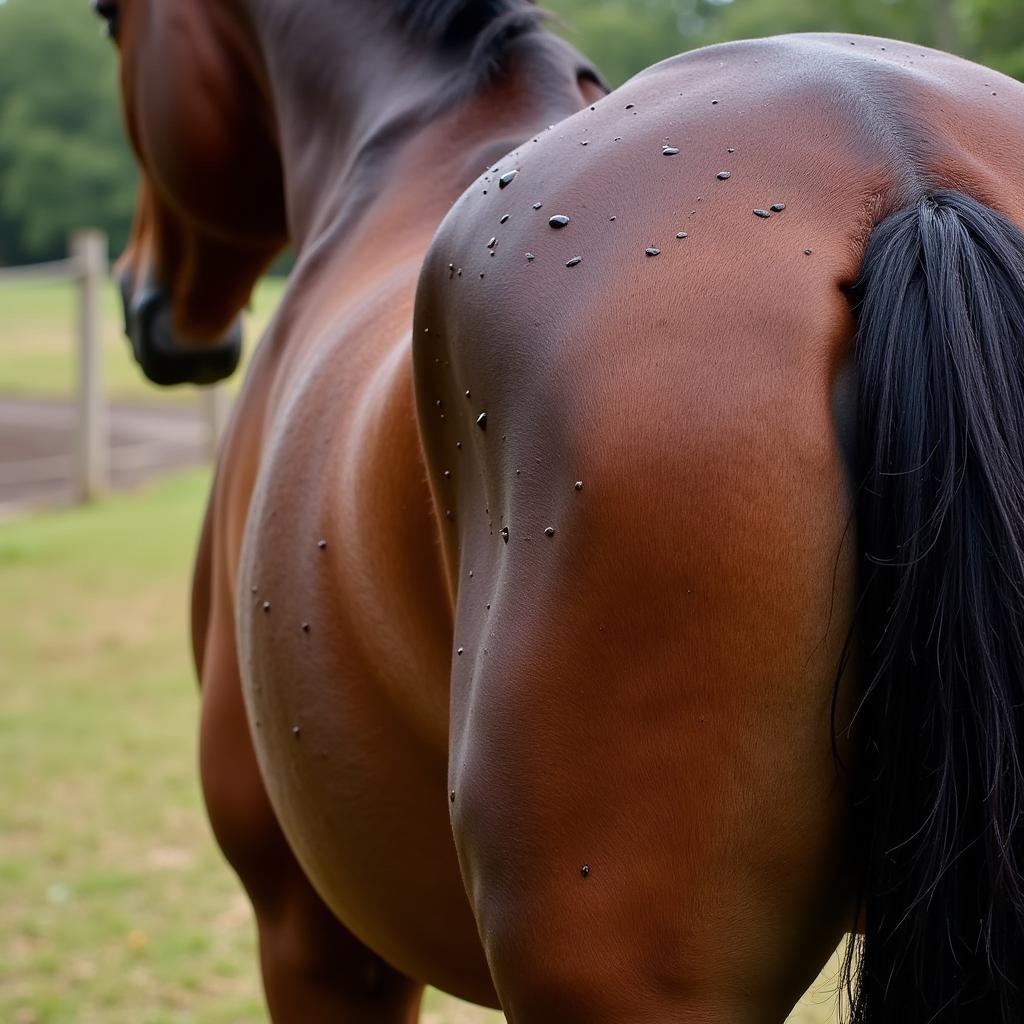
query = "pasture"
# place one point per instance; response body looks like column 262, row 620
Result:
column 115, row 905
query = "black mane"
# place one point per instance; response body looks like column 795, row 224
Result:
column 478, row 36
column 484, row 25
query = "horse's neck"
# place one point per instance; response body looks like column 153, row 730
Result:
column 358, row 124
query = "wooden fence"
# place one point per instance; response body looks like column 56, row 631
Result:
column 87, row 266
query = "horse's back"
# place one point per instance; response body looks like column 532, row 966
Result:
column 649, row 531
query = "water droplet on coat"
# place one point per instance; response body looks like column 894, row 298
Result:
column 669, row 151
column 481, row 421
column 506, row 179
column 504, row 534
column 559, row 220
column 723, row 175
column 777, row 207
column 575, row 261
column 761, row 213
column 652, row 251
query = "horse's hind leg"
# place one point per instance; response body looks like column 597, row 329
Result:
column 314, row 969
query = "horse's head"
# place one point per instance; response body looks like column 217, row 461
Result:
column 210, row 214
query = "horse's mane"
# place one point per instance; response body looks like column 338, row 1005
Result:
column 479, row 34
column 484, row 25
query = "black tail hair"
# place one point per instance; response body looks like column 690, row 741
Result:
column 940, row 514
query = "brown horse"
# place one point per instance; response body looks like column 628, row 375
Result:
column 526, row 633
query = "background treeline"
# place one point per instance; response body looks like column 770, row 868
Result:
column 64, row 162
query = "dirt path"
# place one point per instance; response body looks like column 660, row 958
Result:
column 37, row 438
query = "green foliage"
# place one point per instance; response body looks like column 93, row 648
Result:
column 623, row 38
column 64, row 162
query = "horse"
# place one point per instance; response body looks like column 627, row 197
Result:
column 609, row 593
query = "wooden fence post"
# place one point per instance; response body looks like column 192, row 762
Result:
column 92, row 460
column 215, row 403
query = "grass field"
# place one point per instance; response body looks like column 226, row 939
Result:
column 115, row 906
column 37, row 341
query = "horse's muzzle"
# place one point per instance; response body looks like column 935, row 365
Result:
column 165, row 358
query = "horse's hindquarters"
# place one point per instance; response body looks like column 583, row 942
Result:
column 646, row 803
column 649, row 540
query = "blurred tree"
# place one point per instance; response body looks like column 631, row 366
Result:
column 64, row 162
column 622, row 38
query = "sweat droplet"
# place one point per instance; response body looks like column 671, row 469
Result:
column 451, row 796
column 585, row 870
column 652, row 251
column 459, row 651
column 682, row 234
column 723, row 175
column 578, row 485
column 530, row 257
column 321, row 544
column 305, row 627
column 266, row 606
column 481, row 421
column 537, row 206
column 807, row 252
column 492, row 243
column 504, row 219
column 559, row 220
column 761, row 213
column 669, row 151
column 549, row 531
column 504, row 534
column 777, row 207
column 575, row 261
column 506, row 179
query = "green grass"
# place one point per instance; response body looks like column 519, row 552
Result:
column 37, row 339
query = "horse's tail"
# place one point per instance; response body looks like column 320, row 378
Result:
column 940, row 509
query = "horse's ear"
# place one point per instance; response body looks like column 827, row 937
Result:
column 108, row 11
